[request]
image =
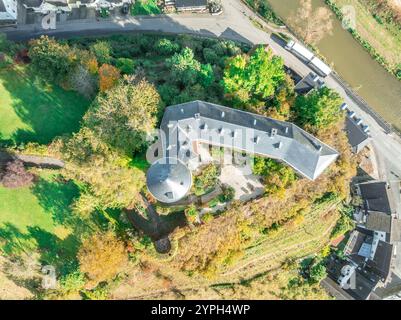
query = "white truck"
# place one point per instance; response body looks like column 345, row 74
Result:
column 307, row 56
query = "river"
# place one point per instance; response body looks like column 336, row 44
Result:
column 381, row 90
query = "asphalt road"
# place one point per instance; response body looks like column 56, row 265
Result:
column 233, row 24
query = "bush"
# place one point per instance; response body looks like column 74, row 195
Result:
column 207, row 217
column 102, row 51
column 210, row 56
column 125, row 65
column 206, row 180
column 166, row 47
column 16, row 176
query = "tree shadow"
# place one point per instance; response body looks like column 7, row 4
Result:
column 48, row 110
column 56, row 197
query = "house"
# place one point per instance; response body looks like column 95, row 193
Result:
column 308, row 83
column 357, row 132
column 185, row 126
column 8, row 12
column 191, row 5
column 375, row 196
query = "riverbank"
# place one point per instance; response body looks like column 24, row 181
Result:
column 380, row 38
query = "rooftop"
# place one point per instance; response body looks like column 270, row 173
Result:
column 375, row 196
column 186, row 124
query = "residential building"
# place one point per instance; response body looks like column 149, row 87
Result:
column 191, row 5
column 8, row 12
column 187, row 125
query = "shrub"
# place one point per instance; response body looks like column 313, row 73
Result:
column 16, row 176
column 207, row 217
column 125, row 65
column 102, row 51
column 166, row 47
column 206, row 180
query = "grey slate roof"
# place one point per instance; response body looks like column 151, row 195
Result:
column 378, row 221
column 375, row 196
column 168, row 180
column 243, row 131
column 357, row 138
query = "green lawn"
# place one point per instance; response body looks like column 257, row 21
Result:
column 31, row 110
column 145, row 7
column 39, row 217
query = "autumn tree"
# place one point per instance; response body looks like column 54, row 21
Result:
column 319, row 109
column 108, row 77
column 102, row 256
column 110, row 181
column 124, row 115
column 312, row 25
column 51, row 59
column 257, row 76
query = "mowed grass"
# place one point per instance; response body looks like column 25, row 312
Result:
column 33, row 111
column 384, row 37
column 38, row 216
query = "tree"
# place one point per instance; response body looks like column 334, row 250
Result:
column 166, row 47
column 124, row 115
column 125, row 65
column 257, row 76
column 312, row 26
column 102, row 256
column 317, row 272
column 111, row 182
column 51, row 59
column 206, row 75
column 83, row 81
column 184, row 67
column 108, row 77
column 102, row 51
column 319, row 109
column 15, row 175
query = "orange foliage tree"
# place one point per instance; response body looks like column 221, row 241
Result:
column 108, row 77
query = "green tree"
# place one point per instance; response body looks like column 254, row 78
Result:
column 125, row 65
column 184, row 67
column 206, row 75
column 51, row 59
column 166, row 47
column 257, row 76
column 102, row 51
column 317, row 272
column 124, row 115
column 319, row 109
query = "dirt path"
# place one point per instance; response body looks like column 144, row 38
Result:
column 36, row 161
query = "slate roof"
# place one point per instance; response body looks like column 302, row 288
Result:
column 243, row 131
column 378, row 221
column 381, row 263
column 168, row 180
column 355, row 134
column 375, row 197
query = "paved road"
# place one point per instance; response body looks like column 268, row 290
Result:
column 233, row 24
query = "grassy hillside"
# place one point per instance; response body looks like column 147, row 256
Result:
column 379, row 28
